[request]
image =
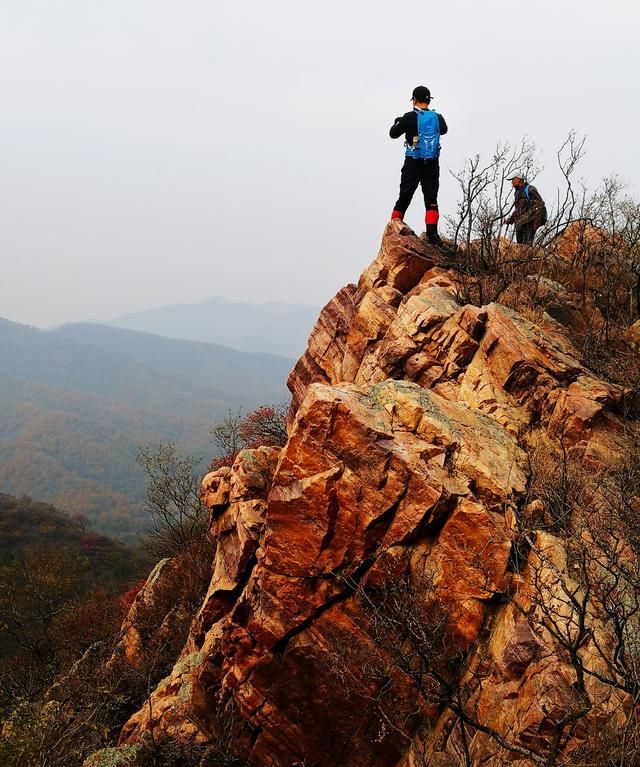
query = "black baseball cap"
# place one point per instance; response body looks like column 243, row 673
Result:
column 421, row 93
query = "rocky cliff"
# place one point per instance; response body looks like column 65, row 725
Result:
column 414, row 579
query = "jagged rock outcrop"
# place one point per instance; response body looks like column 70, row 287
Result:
column 407, row 462
column 157, row 623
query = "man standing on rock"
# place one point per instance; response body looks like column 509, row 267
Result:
column 530, row 212
column 422, row 129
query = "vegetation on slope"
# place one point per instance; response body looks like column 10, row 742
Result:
column 81, row 401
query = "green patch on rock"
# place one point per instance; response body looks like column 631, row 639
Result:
column 385, row 394
column 188, row 663
column 121, row 756
column 185, row 692
column 247, row 456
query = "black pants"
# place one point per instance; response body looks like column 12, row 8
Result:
column 423, row 172
column 525, row 234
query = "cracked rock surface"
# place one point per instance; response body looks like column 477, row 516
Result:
column 406, row 454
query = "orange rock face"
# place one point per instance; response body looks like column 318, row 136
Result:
column 406, row 463
column 633, row 337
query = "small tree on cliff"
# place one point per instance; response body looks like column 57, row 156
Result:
column 267, row 425
column 179, row 520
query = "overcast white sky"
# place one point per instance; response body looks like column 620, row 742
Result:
column 164, row 151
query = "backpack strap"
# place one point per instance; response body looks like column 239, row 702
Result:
column 526, row 191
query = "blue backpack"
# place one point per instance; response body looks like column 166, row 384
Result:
column 427, row 146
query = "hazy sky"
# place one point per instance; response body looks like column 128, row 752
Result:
column 163, row 151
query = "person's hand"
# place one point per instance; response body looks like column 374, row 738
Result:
column 397, row 120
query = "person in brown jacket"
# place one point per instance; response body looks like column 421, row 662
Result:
column 529, row 210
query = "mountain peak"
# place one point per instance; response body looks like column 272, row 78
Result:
column 278, row 328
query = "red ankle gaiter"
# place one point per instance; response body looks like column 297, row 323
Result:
column 431, row 217
column 396, row 214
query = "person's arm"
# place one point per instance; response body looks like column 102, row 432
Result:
column 517, row 210
column 400, row 126
column 510, row 219
column 443, row 125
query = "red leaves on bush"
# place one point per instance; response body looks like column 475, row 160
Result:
column 128, row 598
column 265, row 426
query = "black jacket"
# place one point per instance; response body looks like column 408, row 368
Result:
column 408, row 124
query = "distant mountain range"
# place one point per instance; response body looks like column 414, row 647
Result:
column 278, row 328
column 77, row 403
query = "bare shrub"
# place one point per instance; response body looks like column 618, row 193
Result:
column 265, row 426
column 560, row 480
column 179, row 519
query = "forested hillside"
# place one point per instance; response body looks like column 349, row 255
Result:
column 63, row 588
column 79, row 402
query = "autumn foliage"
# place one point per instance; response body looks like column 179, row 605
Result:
column 264, row 426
